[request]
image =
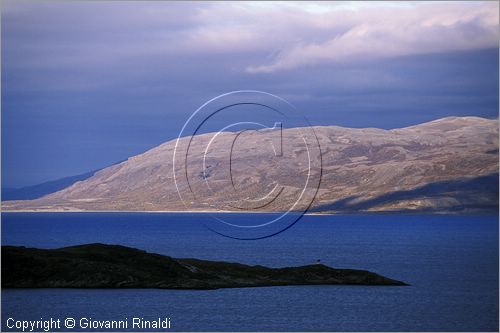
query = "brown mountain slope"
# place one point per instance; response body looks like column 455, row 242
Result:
column 450, row 164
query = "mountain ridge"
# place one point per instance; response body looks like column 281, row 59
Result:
column 456, row 154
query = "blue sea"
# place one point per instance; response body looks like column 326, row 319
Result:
column 451, row 263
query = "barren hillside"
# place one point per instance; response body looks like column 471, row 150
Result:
column 447, row 165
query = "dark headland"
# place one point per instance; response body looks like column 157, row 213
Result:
column 113, row 266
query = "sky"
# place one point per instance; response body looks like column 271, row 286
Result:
column 88, row 84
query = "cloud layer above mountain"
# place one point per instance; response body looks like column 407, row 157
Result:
column 290, row 34
column 88, row 83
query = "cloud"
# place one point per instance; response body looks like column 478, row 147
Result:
column 257, row 37
column 385, row 32
column 146, row 46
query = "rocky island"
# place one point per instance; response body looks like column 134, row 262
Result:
column 114, row 266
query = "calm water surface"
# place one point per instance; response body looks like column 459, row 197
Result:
column 451, row 263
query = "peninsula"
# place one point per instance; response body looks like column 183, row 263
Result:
column 114, row 266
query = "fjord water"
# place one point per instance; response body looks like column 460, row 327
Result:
column 451, row 263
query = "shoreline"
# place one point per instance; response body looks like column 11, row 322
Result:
column 257, row 212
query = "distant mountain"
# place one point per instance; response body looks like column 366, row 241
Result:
column 446, row 165
column 39, row 190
